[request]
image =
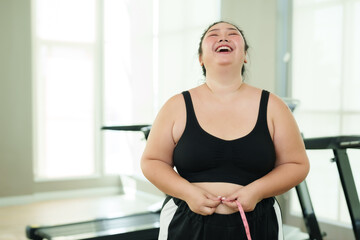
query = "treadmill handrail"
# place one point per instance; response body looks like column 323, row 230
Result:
column 136, row 128
column 145, row 129
column 335, row 142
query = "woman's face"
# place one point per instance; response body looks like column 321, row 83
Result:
column 223, row 44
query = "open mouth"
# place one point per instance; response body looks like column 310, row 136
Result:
column 223, row 49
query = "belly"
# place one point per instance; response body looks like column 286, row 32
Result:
column 220, row 189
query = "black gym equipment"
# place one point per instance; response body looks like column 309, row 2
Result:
column 143, row 226
column 339, row 145
column 145, row 129
column 146, row 225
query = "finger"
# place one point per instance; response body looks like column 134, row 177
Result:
column 212, row 203
column 231, row 205
column 213, row 197
column 207, row 211
column 230, row 198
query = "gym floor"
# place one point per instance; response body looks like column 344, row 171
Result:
column 14, row 219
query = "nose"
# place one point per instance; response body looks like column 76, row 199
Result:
column 223, row 40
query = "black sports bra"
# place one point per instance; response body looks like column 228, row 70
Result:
column 202, row 157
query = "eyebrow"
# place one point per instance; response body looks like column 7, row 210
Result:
column 217, row 29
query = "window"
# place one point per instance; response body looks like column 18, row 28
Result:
column 65, row 69
column 325, row 78
column 108, row 62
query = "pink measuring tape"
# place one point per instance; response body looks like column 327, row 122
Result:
column 243, row 217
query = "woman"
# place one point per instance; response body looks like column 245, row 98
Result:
column 230, row 142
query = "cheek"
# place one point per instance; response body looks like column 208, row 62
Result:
column 208, row 43
column 206, row 56
column 206, row 48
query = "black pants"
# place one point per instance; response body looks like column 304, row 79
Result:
column 178, row 222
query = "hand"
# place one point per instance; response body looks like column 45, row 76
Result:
column 202, row 202
column 247, row 198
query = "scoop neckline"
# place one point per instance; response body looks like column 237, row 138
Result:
column 221, row 139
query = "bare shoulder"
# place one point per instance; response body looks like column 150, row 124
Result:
column 168, row 118
column 252, row 93
column 280, row 118
column 172, row 106
column 277, row 107
column 275, row 104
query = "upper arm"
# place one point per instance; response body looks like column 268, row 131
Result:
column 289, row 145
column 160, row 143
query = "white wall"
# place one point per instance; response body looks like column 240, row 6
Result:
column 15, row 98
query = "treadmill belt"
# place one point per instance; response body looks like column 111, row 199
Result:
column 137, row 226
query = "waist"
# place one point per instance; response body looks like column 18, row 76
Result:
column 223, row 189
column 224, row 173
column 221, row 175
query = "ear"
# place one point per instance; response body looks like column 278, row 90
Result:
column 201, row 62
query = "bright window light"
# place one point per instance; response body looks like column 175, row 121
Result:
column 326, row 56
column 64, row 87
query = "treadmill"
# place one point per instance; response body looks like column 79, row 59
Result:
column 143, row 226
column 137, row 226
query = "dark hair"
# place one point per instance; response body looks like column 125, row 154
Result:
column 202, row 38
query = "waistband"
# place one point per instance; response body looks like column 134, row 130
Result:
column 216, row 219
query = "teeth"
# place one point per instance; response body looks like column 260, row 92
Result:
column 223, row 48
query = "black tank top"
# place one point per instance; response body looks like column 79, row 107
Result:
column 202, row 157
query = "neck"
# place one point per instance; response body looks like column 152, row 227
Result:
column 224, row 81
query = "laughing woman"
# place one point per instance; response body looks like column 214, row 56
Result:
column 235, row 147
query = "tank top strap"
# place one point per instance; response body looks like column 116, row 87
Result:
column 190, row 112
column 263, row 107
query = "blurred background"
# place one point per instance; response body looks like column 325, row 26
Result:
column 69, row 67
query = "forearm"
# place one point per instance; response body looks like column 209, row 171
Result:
column 164, row 177
column 280, row 180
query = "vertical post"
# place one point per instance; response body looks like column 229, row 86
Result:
column 311, row 222
column 348, row 184
column 283, row 59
